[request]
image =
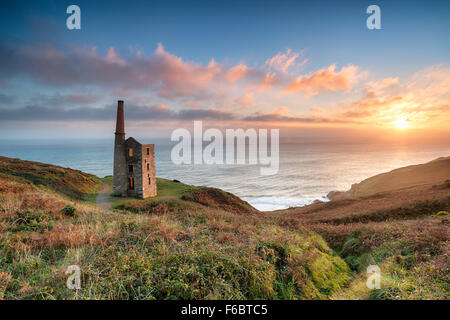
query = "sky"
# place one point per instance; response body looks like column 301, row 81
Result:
column 306, row 67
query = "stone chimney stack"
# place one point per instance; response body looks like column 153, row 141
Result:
column 120, row 122
column 120, row 164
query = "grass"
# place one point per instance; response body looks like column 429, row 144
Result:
column 161, row 257
column 170, row 191
column 204, row 243
column 108, row 180
column 166, row 189
column 173, row 189
column 412, row 254
column 68, row 182
column 188, row 243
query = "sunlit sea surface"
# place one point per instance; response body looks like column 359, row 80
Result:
column 307, row 171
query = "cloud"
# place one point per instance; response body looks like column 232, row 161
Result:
column 49, row 66
column 280, row 116
column 283, row 61
column 245, row 101
column 163, row 72
column 75, row 99
column 7, row 99
column 424, row 100
column 208, row 90
column 177, row 77
column 325, row 80
column 108, row 113
column 368, row 106
column 268, row 81
column 112, row 56
column 237, row 73
column 381, row 85
column 213, row 114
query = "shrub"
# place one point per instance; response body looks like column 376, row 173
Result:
column 31, row 220
column 69, row 211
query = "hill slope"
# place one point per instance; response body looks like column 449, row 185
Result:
column 427, row 174
column 189, row 243
column 203, row 243
column 404, row 230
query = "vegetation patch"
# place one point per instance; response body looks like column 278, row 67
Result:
column 170, row 247
column 69, row 211
column 203, row 243
column 31, row 221
column 217, row 198
column 71, row 183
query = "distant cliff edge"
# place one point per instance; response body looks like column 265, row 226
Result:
column 431, row 173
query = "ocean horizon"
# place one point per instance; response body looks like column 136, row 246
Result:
column 307, row 172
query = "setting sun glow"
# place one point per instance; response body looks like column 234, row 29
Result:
column 401, row 123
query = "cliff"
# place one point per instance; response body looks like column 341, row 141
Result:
column 432, row 173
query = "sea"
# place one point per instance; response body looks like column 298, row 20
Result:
column 307, row 171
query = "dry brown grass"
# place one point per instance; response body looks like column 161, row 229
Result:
column 405, row 204
column 216, row 198
column 405, row 232
column 226, row 237
column 21, row 175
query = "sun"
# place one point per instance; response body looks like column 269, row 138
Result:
column 401, row 123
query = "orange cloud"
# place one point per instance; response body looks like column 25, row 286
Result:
column 237, row 72
column 327, row 80
column 268, row 81
column 283, row 61
column 383, row 84
column 180, row 78
column 281, row 116
column 424, row 100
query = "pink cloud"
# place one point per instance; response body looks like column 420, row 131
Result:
column 177, row 77
column 283, row 61
column 325, row 80
column 245, row 101
column 113, row 57
column 268, row 81
column 236, row 73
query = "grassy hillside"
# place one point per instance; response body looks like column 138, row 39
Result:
column 426, row 174
column 166, row 188
column 171, row 191
column 405, row 232
column 204, row 243
column 69, row 182
column 190, row 242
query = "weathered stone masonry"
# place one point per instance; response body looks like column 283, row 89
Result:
column 134, row 163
